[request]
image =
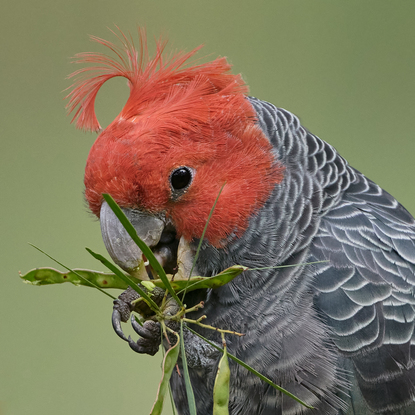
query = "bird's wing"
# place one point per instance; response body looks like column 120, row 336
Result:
column 366, row 290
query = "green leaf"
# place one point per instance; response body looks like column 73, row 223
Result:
column 196, row 283
column 126, row 278
column 169, row 361
column 141, row 244
column 189, row 389
column 221, row 388
column 173, row 407
column 47, row 276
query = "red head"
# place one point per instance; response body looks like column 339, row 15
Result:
column 177, row 115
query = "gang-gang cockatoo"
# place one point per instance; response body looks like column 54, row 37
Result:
column 338, row 333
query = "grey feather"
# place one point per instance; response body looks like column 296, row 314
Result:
column 338, row 334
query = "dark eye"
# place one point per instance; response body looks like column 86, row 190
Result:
column 180, row 178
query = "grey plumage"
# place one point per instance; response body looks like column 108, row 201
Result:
column 337, row 334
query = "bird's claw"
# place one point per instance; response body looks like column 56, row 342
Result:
column 116, row 324
column 122, row 310
column 150, row 337
column 149, row 332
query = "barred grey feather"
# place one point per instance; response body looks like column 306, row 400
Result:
column 338, row 334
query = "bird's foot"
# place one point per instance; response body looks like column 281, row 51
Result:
column 149, row 331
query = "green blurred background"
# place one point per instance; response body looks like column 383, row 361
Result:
column 345, row 67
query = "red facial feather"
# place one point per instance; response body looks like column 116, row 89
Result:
column 176, row 115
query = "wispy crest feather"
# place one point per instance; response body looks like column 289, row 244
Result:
column 158, row 86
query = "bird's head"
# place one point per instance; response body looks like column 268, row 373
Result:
column 185, row 132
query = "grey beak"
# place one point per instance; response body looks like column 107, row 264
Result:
column 122, row 249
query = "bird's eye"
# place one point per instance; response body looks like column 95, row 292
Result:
column 180, row 178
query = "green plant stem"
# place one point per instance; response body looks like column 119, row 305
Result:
column 206, row 326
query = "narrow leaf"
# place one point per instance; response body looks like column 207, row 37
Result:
column 288, row 266
column 203, row 234
column 173, row 407
column 169, row 361
column 189, row 389
column 252, row 370
column 125, row 278
column 141, row 244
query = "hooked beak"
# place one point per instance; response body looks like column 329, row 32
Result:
column 174, row 255
column 122, row 249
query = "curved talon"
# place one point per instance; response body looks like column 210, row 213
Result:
column 150, row 338
column 142, row 349
column 134, row 345
column 116, row 324
column 138, row 328
column 150, row 330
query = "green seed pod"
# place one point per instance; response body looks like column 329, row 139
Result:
column 221, row 388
